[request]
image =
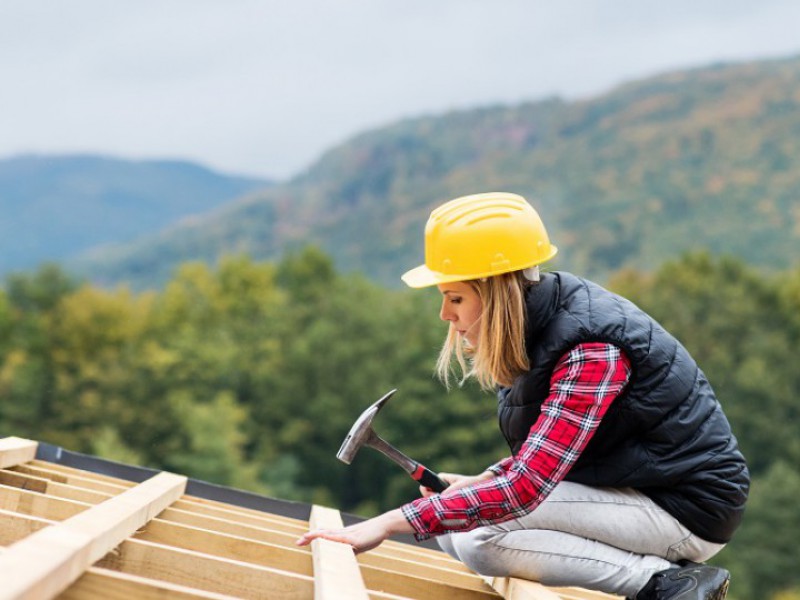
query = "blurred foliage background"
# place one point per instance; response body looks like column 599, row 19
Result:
column 249, row 374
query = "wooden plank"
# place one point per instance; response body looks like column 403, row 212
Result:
column 103, row 584
column 39, row 472
column 259, row 534
column 17, row 527
column 15, row 451
column 48, row 561
column 434, row 557
column 80, row 473
column 200, row 537
column 150, row 560
column 336, row 572
column 31, row 503
column 574, row 593
column 206, row 572
column 23, row 482
column 227, row 546
column 239, row 517
column 86, row 483
column 469, row 581
column 253, row 512
column 51, row 488
column 512, row 588
column 420, row 588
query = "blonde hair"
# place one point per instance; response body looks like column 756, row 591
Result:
column 500, row 356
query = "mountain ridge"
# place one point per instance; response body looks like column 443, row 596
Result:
column 59, row 205
column 707, row 157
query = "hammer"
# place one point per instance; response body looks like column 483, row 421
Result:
column 362, row 434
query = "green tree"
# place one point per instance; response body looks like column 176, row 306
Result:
column 27, row 378
column 736, row 322
column 763, row 557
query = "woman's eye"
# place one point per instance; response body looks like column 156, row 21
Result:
column 455, row 300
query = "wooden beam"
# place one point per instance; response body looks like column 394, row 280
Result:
column 48, row 561
column 253, row 512
column 206, row 572
column 574, row 593
column 15, row 451
column 39, row 472
column 86, row 483
column 336, row 572
column 239, row 517
column 16, row 527
column 396, row 549
column 512, row 588
column 31, row 503
column 22, row 481
column 460, row 579
column 103, row 584
column 285, row 558
column 81, row 473
column 175, row 566
column 421, row 588
column 250, row 532
column 45, row 486
column 279, row 550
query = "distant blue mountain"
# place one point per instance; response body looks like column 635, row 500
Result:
column 55, row 207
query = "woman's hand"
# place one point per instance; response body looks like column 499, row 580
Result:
column 363, row 536
column 456, row 481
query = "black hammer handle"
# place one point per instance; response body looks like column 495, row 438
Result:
column 428, row 478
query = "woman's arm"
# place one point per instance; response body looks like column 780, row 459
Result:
column 583, row 385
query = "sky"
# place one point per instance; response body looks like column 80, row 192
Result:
column 263, row 87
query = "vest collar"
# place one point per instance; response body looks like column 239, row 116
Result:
column 541, row 301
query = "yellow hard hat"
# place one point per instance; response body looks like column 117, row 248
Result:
column 480, row 236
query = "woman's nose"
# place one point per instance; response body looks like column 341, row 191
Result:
column 445, row 314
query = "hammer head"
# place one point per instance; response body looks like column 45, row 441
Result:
column 361, row 431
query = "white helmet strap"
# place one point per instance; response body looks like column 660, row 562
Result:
column 531, row 273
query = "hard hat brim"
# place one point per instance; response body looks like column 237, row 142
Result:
column 422, row 276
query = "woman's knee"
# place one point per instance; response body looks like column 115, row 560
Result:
column 445, row 542
column 477, row 551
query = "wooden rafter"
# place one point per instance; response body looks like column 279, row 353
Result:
column 14, row 451
column 48, row 561
column 336, row 572
column 184, row 547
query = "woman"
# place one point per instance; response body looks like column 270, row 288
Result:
column 624, row 475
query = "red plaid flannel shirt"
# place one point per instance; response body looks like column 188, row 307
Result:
column 584, row 383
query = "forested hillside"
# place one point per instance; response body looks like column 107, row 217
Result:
column 54, row 207
column 250, row 374
column 707, row 158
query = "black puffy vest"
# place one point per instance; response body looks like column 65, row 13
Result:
column 665, row 435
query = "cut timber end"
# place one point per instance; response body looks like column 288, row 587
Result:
column 336, row 572
column 15, row 451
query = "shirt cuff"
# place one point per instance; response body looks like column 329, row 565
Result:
column 414, row 517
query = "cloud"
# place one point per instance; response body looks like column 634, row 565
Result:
column 264, row 87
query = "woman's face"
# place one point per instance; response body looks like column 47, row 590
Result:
column 462, row 307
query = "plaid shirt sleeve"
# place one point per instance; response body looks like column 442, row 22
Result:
column 584, row 383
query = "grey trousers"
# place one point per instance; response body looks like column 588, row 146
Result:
column 605, row 539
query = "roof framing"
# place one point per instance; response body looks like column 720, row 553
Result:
column 79, row 534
